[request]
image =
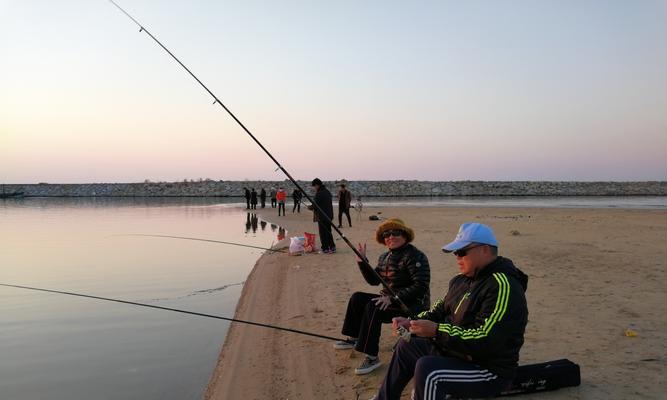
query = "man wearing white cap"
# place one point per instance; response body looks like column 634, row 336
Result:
column 467, row 345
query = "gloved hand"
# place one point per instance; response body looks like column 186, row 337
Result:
column 382, row 302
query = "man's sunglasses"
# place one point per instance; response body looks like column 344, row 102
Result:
column 463, row 252
column 392, row 232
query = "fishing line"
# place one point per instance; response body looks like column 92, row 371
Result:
column 319, row 210
column 202, row 240
column 88, row 296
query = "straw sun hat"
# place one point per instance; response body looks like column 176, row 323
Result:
column 394, row 223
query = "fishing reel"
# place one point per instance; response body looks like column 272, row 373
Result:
column 404, row 333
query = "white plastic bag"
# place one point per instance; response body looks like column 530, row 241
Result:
column 296, row 247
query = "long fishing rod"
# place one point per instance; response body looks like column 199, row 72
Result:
column 320, row 212
column 203, row 240
column 88, row 296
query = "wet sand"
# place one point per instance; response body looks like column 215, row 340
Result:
column 593, row 272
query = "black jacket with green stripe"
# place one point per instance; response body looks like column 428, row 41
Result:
column 484, row 317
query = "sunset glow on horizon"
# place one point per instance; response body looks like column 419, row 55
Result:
column 361, row 91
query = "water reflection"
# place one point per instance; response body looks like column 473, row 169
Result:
column 253, row 221
column 79, row 348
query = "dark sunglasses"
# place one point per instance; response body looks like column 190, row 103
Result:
column 463, row 252
column 392, row 232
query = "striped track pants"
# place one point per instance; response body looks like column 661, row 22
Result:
column 436, row 377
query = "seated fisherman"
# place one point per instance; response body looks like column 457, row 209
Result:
column 406, row 271
column 468, row 344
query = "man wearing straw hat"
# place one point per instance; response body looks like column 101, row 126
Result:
column 406, row 271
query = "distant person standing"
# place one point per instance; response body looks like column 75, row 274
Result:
column 262, row 197
column 273, row 197
column 323, row 200
column 247, row 198
column 344, row 202
column 253, row 199
column 297, row 196
column 281, row 196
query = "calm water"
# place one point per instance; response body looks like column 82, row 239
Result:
column 643, row 202
column 60, row 347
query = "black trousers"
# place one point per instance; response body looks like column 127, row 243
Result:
column 436, row 376
column 273, row 203
column 247, row 203
column 363, row 320
column 297, row 206
column 326, row 238
column 281, row 206
column 342, row 211
column 263, row 202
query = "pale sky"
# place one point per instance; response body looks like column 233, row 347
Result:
column 512, row 90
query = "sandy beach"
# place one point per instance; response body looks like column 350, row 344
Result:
column 593, row 272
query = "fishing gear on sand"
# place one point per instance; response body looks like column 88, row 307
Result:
column 320, row 212
column 134, row 303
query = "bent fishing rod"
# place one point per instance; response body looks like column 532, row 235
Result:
column 134, row 303
column 203, row 240
column 320, row 212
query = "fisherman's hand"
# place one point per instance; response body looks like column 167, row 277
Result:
column 362, row 249
column 400, row 321
column 423, row 328
column 382, row 302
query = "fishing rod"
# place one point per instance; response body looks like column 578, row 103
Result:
column 320, row 212
column 134, row 303
column 203, row 240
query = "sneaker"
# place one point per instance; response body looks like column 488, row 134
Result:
column 368, row 366
column 345, row 345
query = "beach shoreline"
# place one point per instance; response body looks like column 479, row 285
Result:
column 593, row 272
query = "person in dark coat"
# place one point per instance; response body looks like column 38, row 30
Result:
column 297, row 196
column 253, row 199
column 406, row 271
column 323, row 200
column 274, row 201
column 247, row 198
column 467, row 345
column 262, row 197
column 344, row 202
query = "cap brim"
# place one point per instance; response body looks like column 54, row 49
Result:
column 455, row 245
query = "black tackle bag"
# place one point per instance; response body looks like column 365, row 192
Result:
column 541, row 377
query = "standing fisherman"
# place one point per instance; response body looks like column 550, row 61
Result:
column 281, row 196
column 247, row 198
column 323, row 201
column 262, row 197
column 253, row 199
column 296, row 196
column 273, row 198
column 344, row 202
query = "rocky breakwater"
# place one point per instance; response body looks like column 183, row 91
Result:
column 212, row 188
